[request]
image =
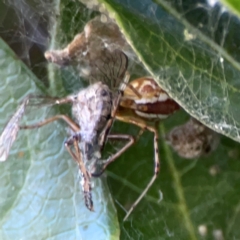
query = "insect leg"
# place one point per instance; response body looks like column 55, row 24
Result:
column 105, row 163
column 86, row 184
column 65, row 118
column 10, row 131
column 86, row 177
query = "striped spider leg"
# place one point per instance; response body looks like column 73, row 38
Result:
column 146, row 112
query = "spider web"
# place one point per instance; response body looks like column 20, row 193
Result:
column 40, row 185
column 177, row 35
column 189, row 196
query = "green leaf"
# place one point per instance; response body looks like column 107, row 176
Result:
column 233, row 5
column 191, row 50
column 40, row 191
column 187, row 195
column 188, row 51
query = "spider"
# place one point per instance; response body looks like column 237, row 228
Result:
column 145, row 104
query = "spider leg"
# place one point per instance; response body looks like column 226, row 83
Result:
column 143, row 125
column 112, row 158
column 156, row 171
